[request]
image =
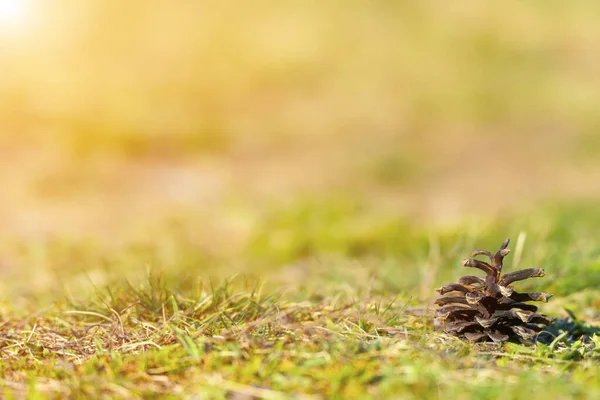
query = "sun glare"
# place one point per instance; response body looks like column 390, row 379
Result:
column 13, row 15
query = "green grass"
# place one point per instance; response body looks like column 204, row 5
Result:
column 343, row 312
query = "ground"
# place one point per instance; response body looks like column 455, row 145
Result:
column 153, row 320
column 267, row 214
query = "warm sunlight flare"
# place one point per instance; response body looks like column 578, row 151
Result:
column 13, row 15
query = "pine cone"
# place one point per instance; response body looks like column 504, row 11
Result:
column 487, row 309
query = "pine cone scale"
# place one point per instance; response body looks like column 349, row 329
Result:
column 521, row 275
column 451, row 287
column 535, row 296
column 470, row 280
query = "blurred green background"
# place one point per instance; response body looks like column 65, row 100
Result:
column 248, row 129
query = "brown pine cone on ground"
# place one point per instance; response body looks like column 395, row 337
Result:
column 484, row 309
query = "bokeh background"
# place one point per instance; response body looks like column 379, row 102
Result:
column 230, row 130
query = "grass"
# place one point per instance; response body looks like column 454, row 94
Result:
column 324, row 325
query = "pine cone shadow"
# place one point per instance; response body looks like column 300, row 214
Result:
column 575, row 329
